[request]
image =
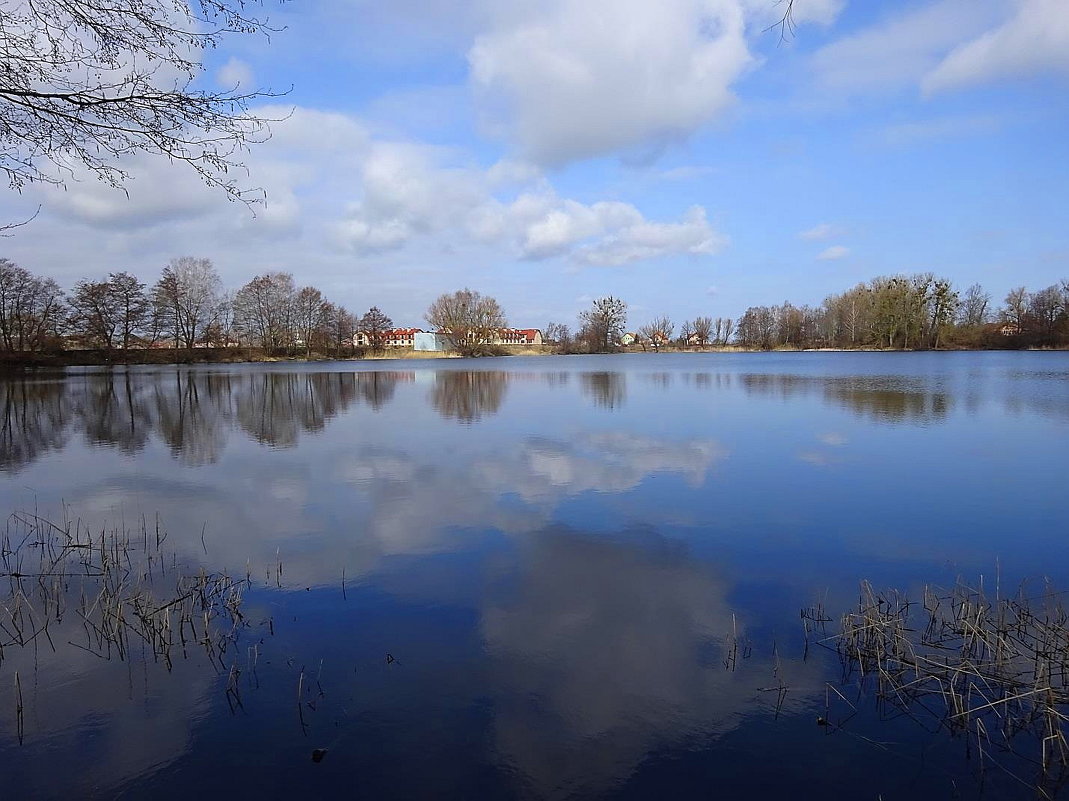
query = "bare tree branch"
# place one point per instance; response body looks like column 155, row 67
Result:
column 88, row 83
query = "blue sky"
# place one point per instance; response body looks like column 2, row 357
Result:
column 677, row 154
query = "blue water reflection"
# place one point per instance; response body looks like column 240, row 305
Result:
column 586, row 571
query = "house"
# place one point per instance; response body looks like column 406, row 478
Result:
column 519, row 336
column 392, row 338
column 628, row 339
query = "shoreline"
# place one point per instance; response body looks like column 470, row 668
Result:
column 13, row 362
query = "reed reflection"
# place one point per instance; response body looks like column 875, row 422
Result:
column 468, row 395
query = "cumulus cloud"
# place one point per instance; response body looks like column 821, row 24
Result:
column 569, row 80
column 543, row 225
column 640, row 240
column 833, row 253
column 406, row 195
column 1035, row 39
column 405, row 192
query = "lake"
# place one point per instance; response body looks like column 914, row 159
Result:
column 546, row 577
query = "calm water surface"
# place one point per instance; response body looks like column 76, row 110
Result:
column 525, row 578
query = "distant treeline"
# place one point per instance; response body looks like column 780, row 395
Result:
column 186, row 308
column 913, row 312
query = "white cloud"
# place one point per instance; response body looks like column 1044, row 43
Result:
column 898, row 51
column 641, row 240
column 1035, row 39
column 407, row 196
column 235, row 74
column 405, row 192
column 818, row 232
column 833, row 253
column 568, row 80
column 155, row 193
column 605, row 233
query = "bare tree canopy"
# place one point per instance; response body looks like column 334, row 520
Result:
column 471, row 321
column 603, row 324
column 263, row 310
column 374, row 326
column 31, row 311
column 85, row 84
column 658, row 332
column 187, row 299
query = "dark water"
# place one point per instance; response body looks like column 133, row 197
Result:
column 536, row 578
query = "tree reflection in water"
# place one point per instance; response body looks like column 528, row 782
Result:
column 892, row 399
column 191, row 412
column 468, row 395
column 34, row 420
column 607, row 389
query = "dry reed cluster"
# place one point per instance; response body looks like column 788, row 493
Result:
column 992, row 670
column 108, row 593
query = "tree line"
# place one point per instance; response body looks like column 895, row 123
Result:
column 186, row 308
column 918, row 311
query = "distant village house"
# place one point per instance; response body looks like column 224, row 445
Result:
column 418, row 339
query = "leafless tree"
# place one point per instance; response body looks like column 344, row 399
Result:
column 686, row 333
column 31, row 309
column 309, row 315
column 975, row 303
column 110, row 313
column 341, row 325
column 133, row 305
column 1016, row 308
column 603, row 325
column 263, row 311
column 1044, row 311
column 702, row 328
column 472, row 322
column 556, row 333
column 374, row 325
column 658, row 332
column 95, row 312
column 186, row 298
column 90, row 83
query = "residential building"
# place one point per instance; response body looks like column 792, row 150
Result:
column 393, row 338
